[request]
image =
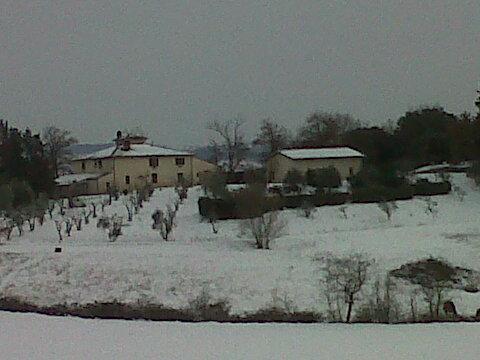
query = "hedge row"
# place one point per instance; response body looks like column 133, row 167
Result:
column 380, row 193
column 425, row 188
column 229, row 209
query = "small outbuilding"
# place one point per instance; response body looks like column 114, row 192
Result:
column 347, row 161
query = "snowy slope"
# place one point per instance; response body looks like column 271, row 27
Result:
column 140, row 267
column 28, row 336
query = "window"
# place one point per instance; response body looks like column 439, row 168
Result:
column 179, row 161
column 154, row 178
column 127, row 180
column 153, row 161
column 351, row 171
column 83, row 165
column 180, row 177
column 100, row 165
column 108, row 186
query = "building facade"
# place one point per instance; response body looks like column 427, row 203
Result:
column 131, row 164
column 347, row 161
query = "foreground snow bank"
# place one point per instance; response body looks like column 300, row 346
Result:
column 27, row 336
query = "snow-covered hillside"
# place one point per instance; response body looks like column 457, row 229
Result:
column 140, row 267
column 28, row 336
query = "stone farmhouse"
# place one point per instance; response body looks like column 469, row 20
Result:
column 129, row 164
column 346, row 160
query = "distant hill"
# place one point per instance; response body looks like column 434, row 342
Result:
column 254, row 153
column 82, row 149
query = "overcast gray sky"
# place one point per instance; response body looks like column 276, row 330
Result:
column 94, row 66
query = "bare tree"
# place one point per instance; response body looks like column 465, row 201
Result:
column 345, row 277
column 413, row 305
column 435, row 279
column 51, row 208
column 57, row 142
column 77, row 220
column 182, row 192
column 31, row 223
column 431, row 206
column 459, row 192
column 114, row 228
column 233, row 140
column 273, row 136
column 129, row 202
column 307, row 208
column 262, row 223
column 216, row 153
column 434, row 295
column 18, row 219
column 86, row 215
column 164, row 222
column 265, row 228
column 381, row 306
column 6, row 229
column 68, row 225
column 213, row 220
column 388, row 207
column 58, row 227
column 94, row 209
column 324, row 129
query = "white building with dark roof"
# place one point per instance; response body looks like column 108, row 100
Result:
column 346, row 160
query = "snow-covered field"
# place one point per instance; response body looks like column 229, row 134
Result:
column 29, row 336
column 141, row 268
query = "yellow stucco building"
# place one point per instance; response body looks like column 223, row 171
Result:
column 347, row 161
column 130, row 164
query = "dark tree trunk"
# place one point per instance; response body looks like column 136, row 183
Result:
column 350, row 306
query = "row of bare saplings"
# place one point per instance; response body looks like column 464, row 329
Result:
column 65, row 218
column 73, row 217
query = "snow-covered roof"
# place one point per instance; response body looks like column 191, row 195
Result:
column 136, row 150
column 321, row 153
column 75, row 178
column 439, row 167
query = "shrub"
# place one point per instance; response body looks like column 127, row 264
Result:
column 115, row 228
column 435, row 278
column 214, row 185
column 371, row 176
column 380, row 193
column 425, row 188
column 382, row 305
column 238, row 205
column 217, row 208
column 323, row 178
column 265, row 228
column 294, row 179
column 205, row 308
column 251, row 202
column 474, row 172
column 255, row 176
column 182, row 192
column 164, row 221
